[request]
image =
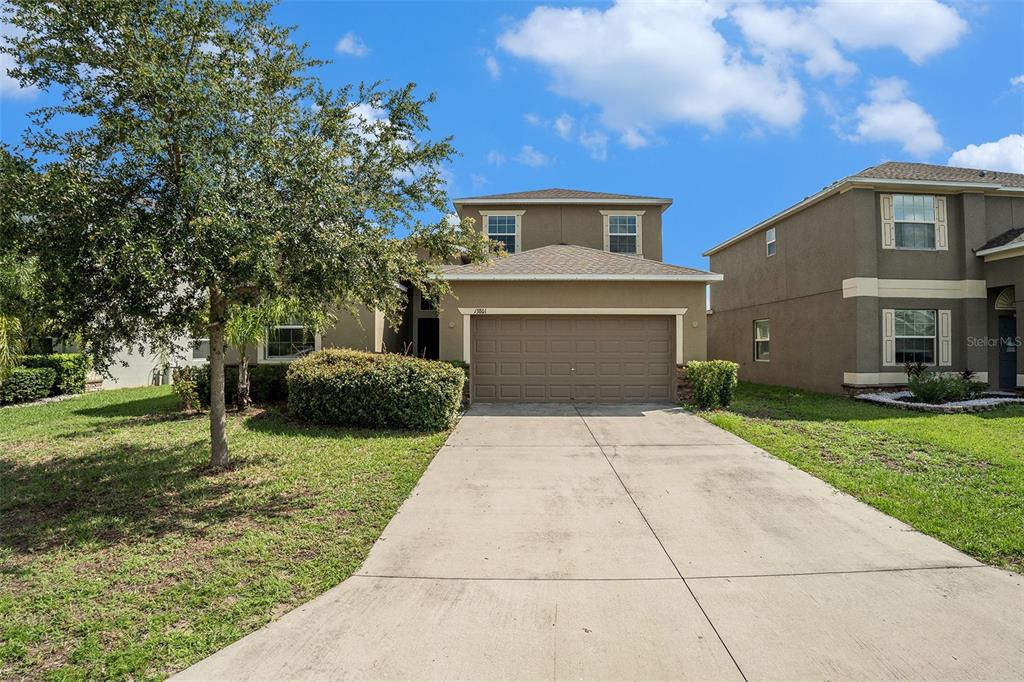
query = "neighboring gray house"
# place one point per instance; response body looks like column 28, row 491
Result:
column 900, row 262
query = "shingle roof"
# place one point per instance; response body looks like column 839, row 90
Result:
column 569, row 261
column 925, row 172
column 567, row 195
column 1014, row 236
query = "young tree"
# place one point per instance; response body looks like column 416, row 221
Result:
column 247, row 325
column 205, row 169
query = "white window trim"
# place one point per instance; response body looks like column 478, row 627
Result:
column 519, row 224
column 770, row 237
column 639, row 230
column 943, row 350
column 768, row 339
column 889, row 224
column 468, row 313
column 263, row 358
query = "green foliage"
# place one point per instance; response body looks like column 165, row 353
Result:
column 25, row 384
column 267, row 383
column 935, row 388
column 346, row 387
column 72, row 370
column 713, row 382
column 184, row 385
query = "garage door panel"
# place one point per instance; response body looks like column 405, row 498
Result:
column 562, row 358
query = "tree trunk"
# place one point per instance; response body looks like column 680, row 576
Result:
column 242, row 399
column 218, row 416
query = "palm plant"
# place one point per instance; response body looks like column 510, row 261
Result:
column 247, row 326
column 16, row 291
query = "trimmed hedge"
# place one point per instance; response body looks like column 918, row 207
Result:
column 935, row 388
column 267, row 383
column 26, row 384
column 713, row 382
column 387, row 390
column 71, row 370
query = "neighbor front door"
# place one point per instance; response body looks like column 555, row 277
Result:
column 1007, row 351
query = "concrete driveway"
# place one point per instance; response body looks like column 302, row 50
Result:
column 639, row 542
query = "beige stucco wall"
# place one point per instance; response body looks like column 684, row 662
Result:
column 614, row 294
column 543, row 225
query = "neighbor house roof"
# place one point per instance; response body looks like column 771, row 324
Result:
column 894, row 175
column 562, row 196
column 1011, row 239
column 570, row 262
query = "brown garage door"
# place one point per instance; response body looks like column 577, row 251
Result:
column 581, row 357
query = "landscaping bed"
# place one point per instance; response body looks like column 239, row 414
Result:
column 125, row 557
column 905, row 400
column 957, row 477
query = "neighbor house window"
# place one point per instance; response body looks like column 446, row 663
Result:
column 915, row 336
column 502, row 228
column 200, row 349
column 289, row 340
column 762, row 340
column 769, row 238
column 622, row 234
column 914, row 217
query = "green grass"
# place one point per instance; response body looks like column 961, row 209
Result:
column 957, row 477
column 123, row 556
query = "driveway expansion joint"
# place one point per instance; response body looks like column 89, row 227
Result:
column 662, row 544
column 854, row 571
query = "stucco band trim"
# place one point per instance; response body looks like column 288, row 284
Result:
column 914, row 288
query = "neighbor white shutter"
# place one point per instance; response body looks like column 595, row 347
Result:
column 888, row 337
column 945, row 338
column 941, row 234
column 888, row 226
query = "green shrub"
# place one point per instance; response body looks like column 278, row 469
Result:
column 347, row 387
column 25, row 384
column 70, row 370
column 713, row 382
column 184, row 385
column 267, row 383
column 933, row 388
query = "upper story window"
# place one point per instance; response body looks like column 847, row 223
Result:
column 623, row 232
column 762, row 340
column 914, row 215
column 200, row 349
column 769, row 237
column 289, row 341
column 914, row 222
column 506, row 228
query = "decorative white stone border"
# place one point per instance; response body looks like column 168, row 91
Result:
column 893, row 399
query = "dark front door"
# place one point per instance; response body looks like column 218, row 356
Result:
column 428, row 338
column 1007, row 351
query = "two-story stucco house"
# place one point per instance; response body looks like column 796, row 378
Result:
column 581, row 307
column 902, row 262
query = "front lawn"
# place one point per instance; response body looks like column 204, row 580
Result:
column 957, row 477
column 123, row 556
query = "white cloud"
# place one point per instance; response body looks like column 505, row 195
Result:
column 492, row 66
column 533, row 119
column 918, row 29
column 563, row 125
column 495, row 158
column 596, row 144
column 352, row 44
column 9, row 87
column 478, row 180
column 889, row 116
column 1006, row 154
column 1017, row 80
column 650, row 64
column 528, row 156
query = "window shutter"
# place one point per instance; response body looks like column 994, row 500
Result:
column 945, row 338
column 941, row 235
column 888, row 337
column 888, row 226
column 640, row 234
column 607, row 239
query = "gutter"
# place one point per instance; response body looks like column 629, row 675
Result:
column 600, row 202
column 479, row 277
column 999, row 249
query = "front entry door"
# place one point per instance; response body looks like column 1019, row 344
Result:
column 427, row 338
column 1007, row 351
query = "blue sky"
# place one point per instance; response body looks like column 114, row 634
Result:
column 734, row 110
